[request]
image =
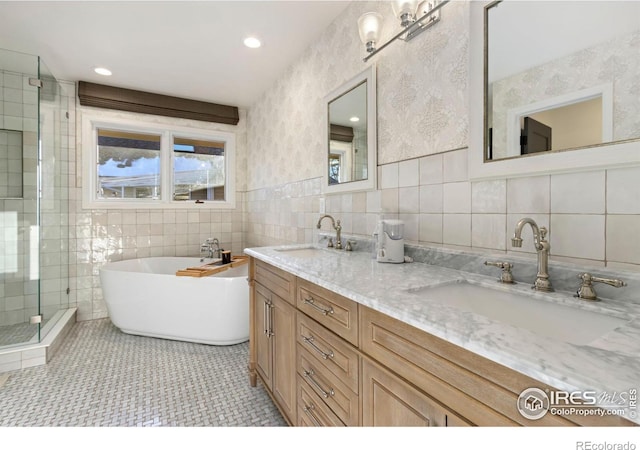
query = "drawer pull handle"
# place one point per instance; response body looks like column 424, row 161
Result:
column 309, row 374
column 309, row 411
column 309, row 301
column 309, row 340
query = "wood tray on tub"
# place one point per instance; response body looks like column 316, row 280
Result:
column 211, row 269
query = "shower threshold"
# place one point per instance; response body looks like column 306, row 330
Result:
column 34, row 353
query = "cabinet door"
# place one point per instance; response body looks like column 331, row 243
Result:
column 388, row 401
column 283, row 317
column 262, row 323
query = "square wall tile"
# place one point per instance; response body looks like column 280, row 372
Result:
column 409, row 200
column 578, row 193
column 430, row 228
column 623, row 244
column 456, row 197
column 431, row 169
column 577, row 236
column 411, row 226
column 529, row 195
column 409, row 173
column 390, row 201
column 389, row 176
column 431, row 198
column 374, row 201
column 489, row 196
column 456, row 229
column 489, row 231
column 623, row 191
column 455, row 166
column 359, row 202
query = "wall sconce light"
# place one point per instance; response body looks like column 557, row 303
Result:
column 369, row 25
column 415, row 17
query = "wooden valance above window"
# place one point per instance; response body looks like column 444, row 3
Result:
column 341, row 133
column 101, row 96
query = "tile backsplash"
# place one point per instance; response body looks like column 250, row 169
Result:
column 586, row 226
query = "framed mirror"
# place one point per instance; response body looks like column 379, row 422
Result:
column 550, row 93
column 555, row 83
column 350, row 131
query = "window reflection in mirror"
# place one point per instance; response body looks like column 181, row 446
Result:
column 348, row 152
column 556, row 83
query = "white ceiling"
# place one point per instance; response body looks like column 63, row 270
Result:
column 191, row 49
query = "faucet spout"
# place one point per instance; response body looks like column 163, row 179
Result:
column 336, row 226
column 542, row 247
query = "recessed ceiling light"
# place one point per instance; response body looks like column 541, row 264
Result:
column 252, row 42
column 102, row 71
column 355, row 119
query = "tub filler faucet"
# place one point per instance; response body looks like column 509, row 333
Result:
column 212, row 247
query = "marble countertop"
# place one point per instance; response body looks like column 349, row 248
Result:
column 608, row 365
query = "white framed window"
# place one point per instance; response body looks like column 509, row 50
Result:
column 135, row 164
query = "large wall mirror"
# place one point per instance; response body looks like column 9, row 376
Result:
column 560, row 75
column 351, row 162
column 556, row 76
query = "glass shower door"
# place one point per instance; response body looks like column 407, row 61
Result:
column 19, row 202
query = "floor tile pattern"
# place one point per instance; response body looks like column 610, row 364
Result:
column 16, row 334
column 103, row 377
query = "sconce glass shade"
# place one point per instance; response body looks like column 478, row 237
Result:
column 369, row 25
column 406, row 8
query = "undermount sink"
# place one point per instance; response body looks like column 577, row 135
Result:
column 565, row 323
column 305, row 252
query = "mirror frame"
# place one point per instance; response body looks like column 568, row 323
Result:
column 617, row 154
column 368, row 76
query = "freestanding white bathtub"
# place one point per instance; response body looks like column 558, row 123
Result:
column 145, row 297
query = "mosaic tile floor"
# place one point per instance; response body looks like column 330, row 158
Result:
column 102, row 377
column 16, row 334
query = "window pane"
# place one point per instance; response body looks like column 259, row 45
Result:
column 198, row 169
column 128, row 165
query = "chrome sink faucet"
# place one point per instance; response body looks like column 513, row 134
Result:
column 336, row 226
column 542, row 282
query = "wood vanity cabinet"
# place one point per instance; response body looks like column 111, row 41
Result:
column 328, row 361
column 474, row 389
column 272, row 335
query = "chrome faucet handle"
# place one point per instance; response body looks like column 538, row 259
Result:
column 506, row 276
column 586, row 290
column 330, row 243
column 350, row 245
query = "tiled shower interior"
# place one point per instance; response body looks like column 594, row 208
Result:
column 34, row 223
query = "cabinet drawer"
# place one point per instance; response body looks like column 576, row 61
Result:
column 312, row 411
column 335, row 394
column 337, row 313
column 281, row 283
column 333, row 353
